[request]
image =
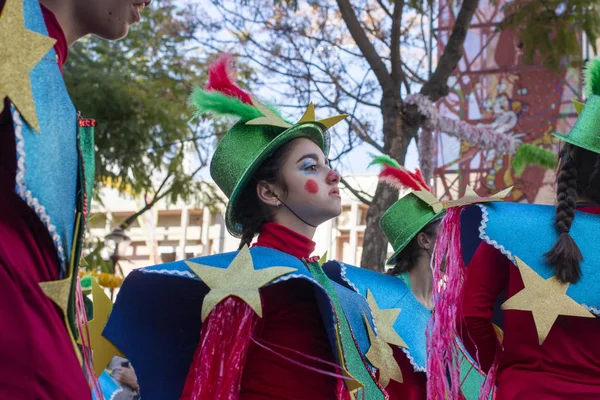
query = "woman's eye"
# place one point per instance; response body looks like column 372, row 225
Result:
column 309, row 169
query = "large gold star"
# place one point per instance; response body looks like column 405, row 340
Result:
column 381, row 355
column 384, row 321
column 545, row 298
column 239, row 279
column 103, row 350
column 21, row 50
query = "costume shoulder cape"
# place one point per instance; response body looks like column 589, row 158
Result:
column 411, row 324
column 389, row 292
column 527, row 231
column 156, row 319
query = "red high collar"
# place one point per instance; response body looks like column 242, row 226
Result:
column 280, row 238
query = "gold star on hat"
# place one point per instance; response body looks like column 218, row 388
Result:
column 381, row 355
column 384, row 321
column 21, row 50
column 545, row 298
column 239, row 279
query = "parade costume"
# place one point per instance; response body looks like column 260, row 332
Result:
column 46, row 173
column 401, row 223
column 550, row 327
column 259, row 323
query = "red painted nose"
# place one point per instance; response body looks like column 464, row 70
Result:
column 332, row 177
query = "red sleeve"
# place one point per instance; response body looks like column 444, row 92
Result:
column 414, row 385
column 487, row 276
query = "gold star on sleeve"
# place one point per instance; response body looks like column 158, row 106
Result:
column 21, row 50
column 381, row 355
column 239, row 279
column 545, row 298
column 384, row 321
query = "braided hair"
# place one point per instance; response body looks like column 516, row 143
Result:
column 578, row 178
column 251, row 211
column 408, row 257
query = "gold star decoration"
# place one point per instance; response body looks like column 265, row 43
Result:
column 384, row 321
column 103, row 350
column 545, row 298
column 381, row 355
column 239, row 279
column 58, row 292
column 21, row 50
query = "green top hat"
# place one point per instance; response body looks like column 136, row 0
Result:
column 586, row 131
column 403, row 220
column 406, row 217
column 258, row 134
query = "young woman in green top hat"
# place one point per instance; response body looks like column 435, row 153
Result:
column 264, row 322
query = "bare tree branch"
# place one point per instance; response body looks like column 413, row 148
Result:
column 397, row 73
column 436, row 86
column 359, row 194
column 365, row 46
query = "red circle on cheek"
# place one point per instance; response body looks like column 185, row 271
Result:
column 311, row 186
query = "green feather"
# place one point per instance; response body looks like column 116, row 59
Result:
column 384, row 159
column 528, row 154
column 221, row 104
column 591, row 77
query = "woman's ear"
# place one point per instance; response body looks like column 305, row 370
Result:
column 267, row 194
column 424, row 241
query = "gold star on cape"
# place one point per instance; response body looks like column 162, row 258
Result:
column 384, row 321
column 381, row 355
column 239, row 279
column 103, row 350
column 58, row 292
column 21, row 50
column 545, row 298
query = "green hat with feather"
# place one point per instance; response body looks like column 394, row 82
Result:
column 411, row 213
column 586, row 131
column 259, row 132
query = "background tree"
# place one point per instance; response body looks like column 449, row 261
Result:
column 364, row 57
column 137, row 90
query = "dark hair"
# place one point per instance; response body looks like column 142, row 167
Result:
column 408, row 257
column 578, row 178
column 250, row 211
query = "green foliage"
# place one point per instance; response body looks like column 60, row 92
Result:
column 528, row 154
column 550, row 29
column 137, row 90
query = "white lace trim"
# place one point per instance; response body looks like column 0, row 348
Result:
column 291, row 275
column 26, row 195
column 174, row 272
column 483, row 235
column 343, row 270
column 114, row 395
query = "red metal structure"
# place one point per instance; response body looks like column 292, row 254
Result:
column 494, row 87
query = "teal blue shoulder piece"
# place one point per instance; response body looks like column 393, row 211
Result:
column 47, row 162
column 527, row 231
column 156, row 319
column 389, row 292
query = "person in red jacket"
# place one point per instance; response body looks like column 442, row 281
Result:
column 36, row 350
column 541, row 264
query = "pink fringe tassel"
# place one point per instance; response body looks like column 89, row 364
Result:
column 448, row 275
column 86, row 351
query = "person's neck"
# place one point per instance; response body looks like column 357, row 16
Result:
column 421, row 281
column 292, row 222
column 65, row 14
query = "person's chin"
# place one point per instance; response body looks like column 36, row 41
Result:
column 115, row 33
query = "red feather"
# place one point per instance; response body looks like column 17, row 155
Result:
column 219, row 79
column 421, row 179
column 400, row 178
